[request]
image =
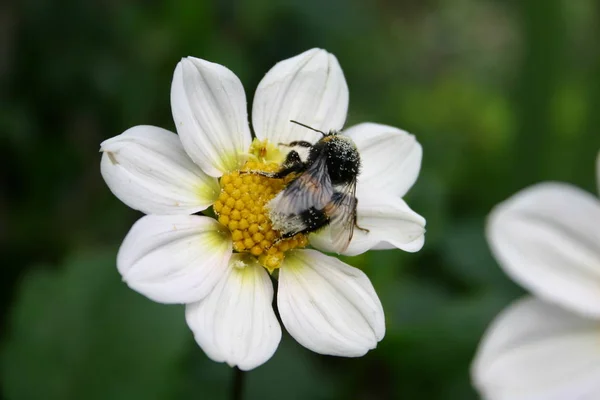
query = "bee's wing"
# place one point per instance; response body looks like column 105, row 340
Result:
column 342, row 213
column 311, row 189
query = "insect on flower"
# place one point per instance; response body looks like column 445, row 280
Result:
column 270, row 198
column 323, row 191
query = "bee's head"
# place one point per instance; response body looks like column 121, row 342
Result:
column 332, row 136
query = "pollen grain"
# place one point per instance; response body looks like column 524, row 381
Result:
column 241, row 207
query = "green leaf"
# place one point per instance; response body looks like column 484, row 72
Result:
column 80, row 333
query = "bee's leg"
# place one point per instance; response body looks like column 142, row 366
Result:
column 291, row 164
column 365, row 230
column 301, row 143
column 279, row 174
column 300, row 151
column 261, row 173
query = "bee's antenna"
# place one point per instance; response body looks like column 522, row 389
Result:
column 308, row 127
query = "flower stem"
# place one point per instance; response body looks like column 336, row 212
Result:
column 237, row 384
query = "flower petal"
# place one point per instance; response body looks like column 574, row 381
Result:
column 327, row 306
column 147, row 169
column 209, row 109
column 236, row 323
column 547, row 238
column 176, row 258
column 390, row 157
column 389, row 221
column 537, row 351
column 309, row 88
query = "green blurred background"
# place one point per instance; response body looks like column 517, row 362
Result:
column 501, row 94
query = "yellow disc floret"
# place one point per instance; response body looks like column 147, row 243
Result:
column 241, row 207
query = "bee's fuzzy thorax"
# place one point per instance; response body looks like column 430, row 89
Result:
column 343, row 159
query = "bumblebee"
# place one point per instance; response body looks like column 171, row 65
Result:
column 323, row 191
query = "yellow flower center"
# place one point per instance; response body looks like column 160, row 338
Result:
column 241, row 208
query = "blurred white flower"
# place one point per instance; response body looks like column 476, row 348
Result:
column 217, row 266
column 546, row 347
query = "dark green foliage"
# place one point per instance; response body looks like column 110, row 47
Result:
column 80, row 333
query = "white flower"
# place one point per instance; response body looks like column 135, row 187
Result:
column 172, row 256
column 547, row 347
